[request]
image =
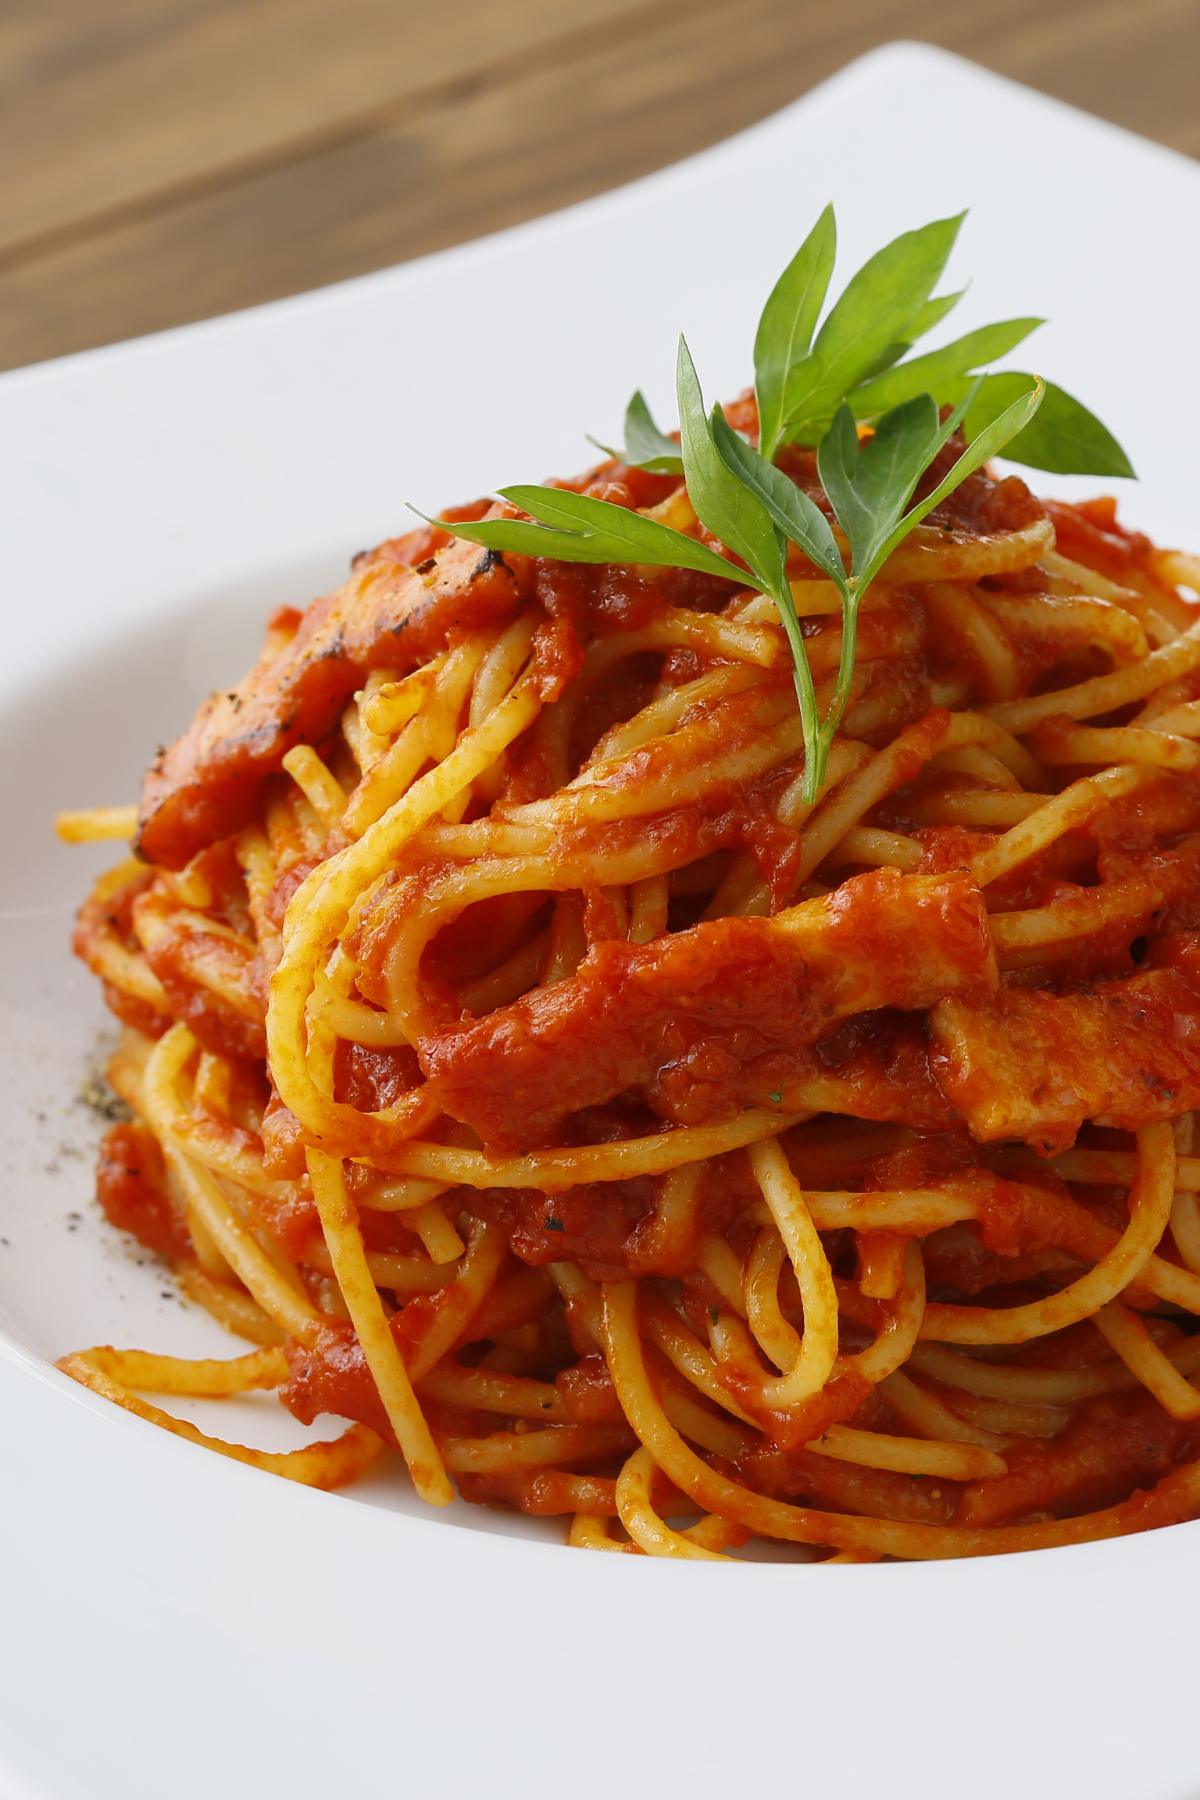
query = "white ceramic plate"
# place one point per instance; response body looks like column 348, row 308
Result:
column 173, row 1623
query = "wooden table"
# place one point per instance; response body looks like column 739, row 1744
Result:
column 169, row 159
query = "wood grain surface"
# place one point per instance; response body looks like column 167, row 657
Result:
column 170, row 159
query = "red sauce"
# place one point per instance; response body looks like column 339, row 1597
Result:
column 286, row 883
column 331, row 1376
column 291, row 1219
column 607, row 1228
column 131, row 1188
column 840, row 1400
column 679, row 1018
column 588, row 1392
column 220, row 1025
column 798, row 1474
column 283, row 1143
column 139, row 1015
column 544, row 1493
column 1121, row 1442
column 96, row 919
column 371, row 1079
column 1088, row 532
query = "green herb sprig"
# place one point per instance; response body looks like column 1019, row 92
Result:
column 816, row 382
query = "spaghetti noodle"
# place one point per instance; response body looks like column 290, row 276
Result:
column 551, row 1091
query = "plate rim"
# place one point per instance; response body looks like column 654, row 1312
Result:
column 25, row 1382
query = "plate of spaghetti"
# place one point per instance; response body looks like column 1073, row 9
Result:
column 662, row 1010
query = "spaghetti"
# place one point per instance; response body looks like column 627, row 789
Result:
column 551, row 1091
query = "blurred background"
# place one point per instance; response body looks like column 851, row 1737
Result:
column 169, row 159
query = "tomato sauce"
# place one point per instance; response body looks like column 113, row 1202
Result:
column 798, row 1474
column 1120, row 1442
column 132, row 1190
column 679, row 1018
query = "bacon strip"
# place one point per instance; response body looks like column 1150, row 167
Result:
column 1033, row 1066
column 389, row 614
column 679, row 1019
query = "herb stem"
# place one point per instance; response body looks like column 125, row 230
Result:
column 816, row 749
column 845, row 675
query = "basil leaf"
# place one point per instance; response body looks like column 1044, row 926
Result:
column 798, row 517
column 870, row 483
column 875, row 311
column 929, row 315
column 1064, row 438
column 788, row 321
column 650, row 447
column 932, row 313
column 930, row 374
column 890, row 357
column 579, row 528
column 735, row 512
column 1001, row 429
column 837, row 464
column 646, row 447
column 731, row 512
